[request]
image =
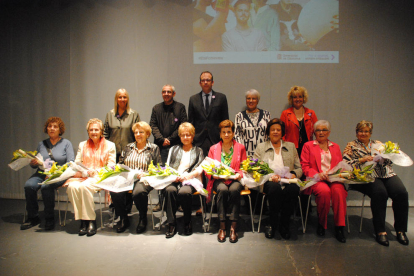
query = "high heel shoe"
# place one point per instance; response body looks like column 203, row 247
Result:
column 172, row 230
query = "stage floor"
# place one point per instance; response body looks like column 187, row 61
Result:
column 63, row 252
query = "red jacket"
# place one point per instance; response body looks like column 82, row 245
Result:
column 311, row 158
column 292, row 125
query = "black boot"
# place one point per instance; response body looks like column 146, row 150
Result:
column 91, row 228
column 83, row 230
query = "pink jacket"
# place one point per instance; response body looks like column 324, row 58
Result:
column 239, row 155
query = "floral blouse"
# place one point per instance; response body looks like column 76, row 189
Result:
column 356, row 149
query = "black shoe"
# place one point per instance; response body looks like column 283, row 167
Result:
column 269, row 232
column 188, row 229
column 29, row 223
column 172, row 230
column 83, row 230
column 339, row 234
column 91, row 228
column 142, row 225
column 320, row 231
column 382, row 239
column 122, row 225
column 284, row 233
column 50, row 224
column 402, row 238
column 157, row 208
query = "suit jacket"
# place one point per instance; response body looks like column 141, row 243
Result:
column 265, row 151
column 206, row 122
column 311, row 157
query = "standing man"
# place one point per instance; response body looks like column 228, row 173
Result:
column 206, row 111
column 166, row 117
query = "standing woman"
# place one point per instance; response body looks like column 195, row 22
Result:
column 318, row 157
column 251, row 123
column 118, row 127
column 298, row 119
column 386, row 185
column 94, row 153
column 59, row 150
column 232, row 154
column 279, row 154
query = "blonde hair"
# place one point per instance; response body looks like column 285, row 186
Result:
column 95, row 121
column 295, row 90
column 185, row 126
column 121, row 90
column 143, row 125
column 363, row 124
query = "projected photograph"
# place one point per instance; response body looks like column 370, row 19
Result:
column 265, row 31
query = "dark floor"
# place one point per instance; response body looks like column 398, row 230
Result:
column 63, row 252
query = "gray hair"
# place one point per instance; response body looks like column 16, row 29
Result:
column 253, row 92
column 172, row 87
column 322, row 123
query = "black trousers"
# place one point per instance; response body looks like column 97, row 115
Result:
column 139, row 196
column 175, row 195
column 379, row 191
column 228, row 196
column 281, row 200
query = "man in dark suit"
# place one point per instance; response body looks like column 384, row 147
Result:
column 206, row 111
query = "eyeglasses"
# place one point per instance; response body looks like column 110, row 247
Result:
column 363, row 132
column 205, row 80
column 321, row 130
column 167, row 92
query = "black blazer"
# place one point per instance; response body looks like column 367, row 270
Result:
column 206, row 123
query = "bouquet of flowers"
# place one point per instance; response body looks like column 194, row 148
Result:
column 159, row 177
column 118, row 178
column 216, row 168
column 106, row 172
column 22, row 158
column 345, row 174
column 54, row 172
column 59, row 173
column 257, row 169
column 391, row 151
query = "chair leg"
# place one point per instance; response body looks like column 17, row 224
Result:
column 255, row 203
column 100, row 207
column 24, row 213
column 347, row 219
column 67, row 205
column 362, row 213
column 113, row 218
column 261, row 211
column 60, row 218
column 211, row 212
column 251, row 214
column 202, row 212
column 301, row 214
column 152, row 213
column 162, row 214
column 307, row 212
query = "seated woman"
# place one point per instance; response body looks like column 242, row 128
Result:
column 137, row 155
column 94, row 153
column 279, row 154
column 59, row 150
column 317, row 158
column 387, row 184
column 230, row 153
column 185, row 158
